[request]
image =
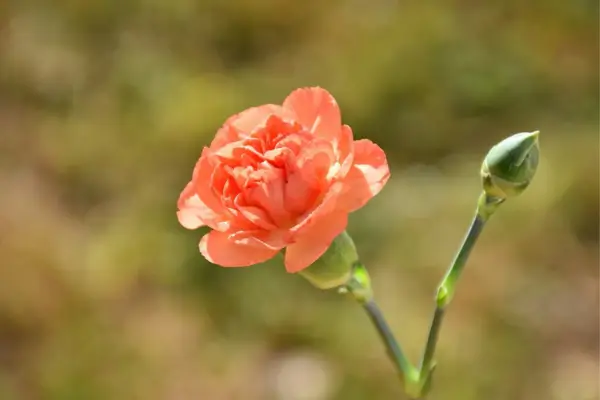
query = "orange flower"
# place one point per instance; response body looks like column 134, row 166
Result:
column 280, row 177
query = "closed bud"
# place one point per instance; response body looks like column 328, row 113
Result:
column 335, row 267
column 509, row 166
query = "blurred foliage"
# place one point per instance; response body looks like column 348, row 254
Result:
column 105, row 106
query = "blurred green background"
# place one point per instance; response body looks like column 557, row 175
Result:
column 105, row 106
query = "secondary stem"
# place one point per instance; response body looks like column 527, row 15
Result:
column 427, row 364
column 448, row 285
column 485, row 208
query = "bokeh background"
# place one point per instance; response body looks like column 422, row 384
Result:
column 105, row 106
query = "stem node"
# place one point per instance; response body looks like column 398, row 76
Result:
column 359, row 286
column 486, row 206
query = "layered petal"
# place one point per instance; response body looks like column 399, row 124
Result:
column 314, row 241
column 315, row 161
column 255, row 215
column 270, row 196
column 345, row 151
column 299, row 195
column 225, row 135
column 274, row 240
column 241, row 125
column 195, row 211
column 192, row 212
column 203, row 174
column 369, row 173
column 218, row 249
column 189, row 219
column 325, row 207
column 249, row 120
column 280, row 177
column 316, row 109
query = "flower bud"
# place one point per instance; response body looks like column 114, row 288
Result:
column 334, row 267
column 509, row 166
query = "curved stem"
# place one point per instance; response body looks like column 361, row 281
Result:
column 359, row 286
column 407, row 371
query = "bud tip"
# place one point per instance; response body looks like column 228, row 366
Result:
column 510, row 165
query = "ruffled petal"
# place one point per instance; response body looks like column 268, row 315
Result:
column 314, row 242
column 241, row 125
column 314, row 162
column 345, row 149
column 368, row 175
column 327, row 206
column 203, row 182
column 192, row 211
column 299, row 195
column 316, row 109
column 270, row 196
column 274, row 239
column 218, row 249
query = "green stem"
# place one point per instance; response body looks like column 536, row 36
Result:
column 447, row 287
column 427, row 364
column 485, row 208
column 359, row 286
column 407, row 371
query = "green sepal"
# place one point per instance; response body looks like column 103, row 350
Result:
column 509, row 166
column 334, row 268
